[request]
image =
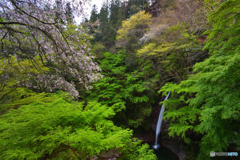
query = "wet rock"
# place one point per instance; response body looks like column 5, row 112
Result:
column 147, row 138
column 171, row 143
column 175, row 147
column 110, row 155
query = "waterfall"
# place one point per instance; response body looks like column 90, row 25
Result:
column 159, row 124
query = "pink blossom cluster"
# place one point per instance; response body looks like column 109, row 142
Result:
column 30, row 28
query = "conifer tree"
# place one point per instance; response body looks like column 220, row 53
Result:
column 120, row 16
column 104, row 27
column 94, row 14
column 114, row 10
column 93, row 24
column 135, row 6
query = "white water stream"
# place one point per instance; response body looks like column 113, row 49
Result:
column 159, row 124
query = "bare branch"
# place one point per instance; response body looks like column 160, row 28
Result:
column 43, row 31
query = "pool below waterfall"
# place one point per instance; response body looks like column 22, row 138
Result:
column 164, row 153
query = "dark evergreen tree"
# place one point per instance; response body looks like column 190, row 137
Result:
column 106, row 29
column 94, row 14
column 135, row 6
column 120, row 16
column 111, row 17
column 103, row 15
column 114, row 10
column 93, row 24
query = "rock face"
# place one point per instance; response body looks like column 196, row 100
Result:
column 169, row 142
column 154, row 9
column 173, row 145
column 110, row 155
column 147, row 138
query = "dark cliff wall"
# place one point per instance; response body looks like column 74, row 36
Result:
column 155, row 8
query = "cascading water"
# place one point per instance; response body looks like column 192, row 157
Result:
column 159, row 124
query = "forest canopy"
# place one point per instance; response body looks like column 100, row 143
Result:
column 92, row 91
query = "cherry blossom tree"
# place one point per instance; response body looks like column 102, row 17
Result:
column 36, row 30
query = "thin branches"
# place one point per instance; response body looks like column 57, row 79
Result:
column 8, row 93
column 29, row 14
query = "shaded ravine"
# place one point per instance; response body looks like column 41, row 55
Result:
column 166, row 142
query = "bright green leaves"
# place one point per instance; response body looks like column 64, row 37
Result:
column 21, row 68
column 144, row 153
column 119, row 70
column 171, row 51
column 140, row 19
column 121, row 89
column 179, row 129
column 60, row 128
column 2, row 19
column 225, row 21
column 212, row 105
column 185, row 35
column 12, row 72
column 115, row 65
column 147, row 49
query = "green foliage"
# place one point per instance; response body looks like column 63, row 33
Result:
column 14, row 97
column 77, row 37
column 115, row 7
column 170, row 53
column 122, row 89
column 106, row 33
column 111, row 16
column 132, row 30
column 12, row 71
column 139, row 20
column 94, row 14
column 140, row 153
column 61, row 127
column 208, row 102
column 175, row 38
column 53, row 126
column 98, row 49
